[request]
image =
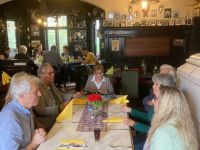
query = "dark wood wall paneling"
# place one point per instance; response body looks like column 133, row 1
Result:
column 179, row 37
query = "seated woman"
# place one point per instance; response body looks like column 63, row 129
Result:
column 158, row 80
column 172, row 126
column 98, row 82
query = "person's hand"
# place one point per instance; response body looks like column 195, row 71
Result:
column 129, row 122
column 77, row 95
column 103, row 91
column 126, row 109
column 150, row 102
column 39, row 136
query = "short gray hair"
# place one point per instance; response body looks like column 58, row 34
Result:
column 20, row 83
column 40, row 69
column 172, row 70
column 164, row 79
column 22, row 49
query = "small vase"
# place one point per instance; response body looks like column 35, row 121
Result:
column 94, row 113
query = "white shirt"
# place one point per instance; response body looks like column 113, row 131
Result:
column 98, row 85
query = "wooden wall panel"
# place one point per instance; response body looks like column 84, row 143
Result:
column 147, row 46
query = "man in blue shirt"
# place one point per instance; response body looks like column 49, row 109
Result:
column 16, row 122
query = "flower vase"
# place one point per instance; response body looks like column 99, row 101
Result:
column 94, row 112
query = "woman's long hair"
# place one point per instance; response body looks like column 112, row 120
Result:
column 174, row 106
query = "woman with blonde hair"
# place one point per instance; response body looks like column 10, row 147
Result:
column 172, row 126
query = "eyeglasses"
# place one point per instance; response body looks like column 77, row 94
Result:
column 49, row 73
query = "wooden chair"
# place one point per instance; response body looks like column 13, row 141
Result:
column 129, row 83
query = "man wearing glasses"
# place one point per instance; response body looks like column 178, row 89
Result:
column 52, row 101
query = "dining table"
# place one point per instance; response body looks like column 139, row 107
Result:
column 113, row 136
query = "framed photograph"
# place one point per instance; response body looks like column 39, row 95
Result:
column 178, row 22
column 35, row 30
column 189, row 21
column 123, row 23
column 110, row 15
column 154, row 13
column 116, row 15
column 159, row 22
column 176, row 14
column 171, row 22
column 115, row 45
column 130, row 17
column 137, row 14
column 117, row 23
column 129, row 23
column 148, row 23
column 143, row 23
column 166, row 22
column 167, row 13
column 197, row 12
column 153, row 22
column 183, row 21
column 123, row 16
column 110, row 23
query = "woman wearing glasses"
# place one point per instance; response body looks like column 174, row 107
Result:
column 98, row 82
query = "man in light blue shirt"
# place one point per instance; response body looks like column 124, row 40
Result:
column 16, row 122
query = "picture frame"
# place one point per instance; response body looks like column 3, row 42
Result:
column 153, row 22
column 116, row 15
column 123, row 23
column 177, row 22
column 167, row 13
column 129, row 23
column 154, row 13
column 143, row 23
column 110, row 15
column 123, row 16
column 117, row 23
column 110, row 23
column 176, row 14
column 115, row 45
column 189, row 21
column 183, row 21
column 171, row 22
column 166, row 22
column 35, row 30
column 159, row 22
column 197, row 12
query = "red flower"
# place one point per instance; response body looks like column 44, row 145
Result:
column 94, row 97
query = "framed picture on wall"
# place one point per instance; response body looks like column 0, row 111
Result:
column 176, row 14
column 123, row 23
column 178, row 22
column 137, row 14
column 115, row 45
column 35, row 30
column 167, row 13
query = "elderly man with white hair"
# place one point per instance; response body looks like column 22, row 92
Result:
column 16, row 121
column 22, row 53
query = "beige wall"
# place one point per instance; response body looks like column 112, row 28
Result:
column 122, row 6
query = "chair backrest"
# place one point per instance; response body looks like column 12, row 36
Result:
column 129, row 83
column 81, row 76
column 13, row 66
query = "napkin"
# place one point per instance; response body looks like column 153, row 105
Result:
column 110, row 71
column 76, row 144
column 5, row 78
column 120, row 100
column 125, row 67
column 113, row 120
column 79, row 101
column 66, row 113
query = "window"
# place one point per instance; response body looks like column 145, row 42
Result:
column 97, row 39
column 57, row 32
column 11, row 34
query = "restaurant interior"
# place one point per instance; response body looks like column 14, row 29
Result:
column 130, row 38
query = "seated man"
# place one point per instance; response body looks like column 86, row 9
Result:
column 51, row 103
column 164, row 69
column 16, row 122
column 98, row 82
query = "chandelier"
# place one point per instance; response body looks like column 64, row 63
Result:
column 145, row 5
